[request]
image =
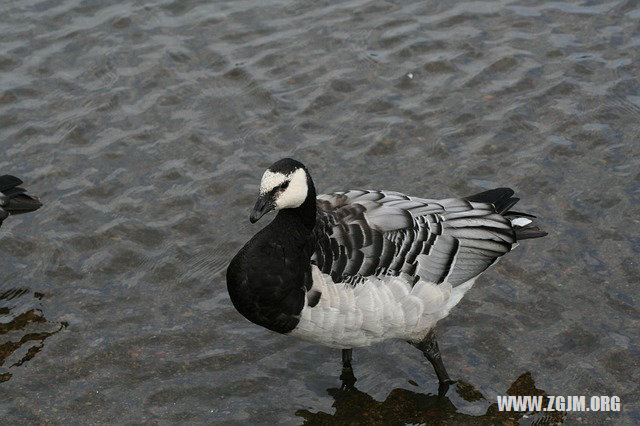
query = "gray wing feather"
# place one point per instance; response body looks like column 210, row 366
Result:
column 374, row 233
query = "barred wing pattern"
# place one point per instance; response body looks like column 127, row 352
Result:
column 376, row 233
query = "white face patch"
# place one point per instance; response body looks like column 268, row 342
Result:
column 291, row 197
column 270, row 180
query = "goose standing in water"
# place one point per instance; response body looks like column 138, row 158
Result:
column 350, row 269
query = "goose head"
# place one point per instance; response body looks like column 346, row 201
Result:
column 284, row 185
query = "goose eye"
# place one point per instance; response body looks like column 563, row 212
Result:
column 284, row 185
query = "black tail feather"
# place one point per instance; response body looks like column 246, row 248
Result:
column 528, row 231
column 519, row 214
column 499, row 197
column 510, row 203
column 502, row 200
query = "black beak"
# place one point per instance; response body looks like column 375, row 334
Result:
column 262, row 207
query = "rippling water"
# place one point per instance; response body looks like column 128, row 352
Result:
column 145, row 127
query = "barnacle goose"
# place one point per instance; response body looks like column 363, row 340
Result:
column 15, row 200
column 353, row 268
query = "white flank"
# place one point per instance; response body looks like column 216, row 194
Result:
column 380, row 308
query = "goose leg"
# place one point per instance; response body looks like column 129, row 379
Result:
column 429, row 347
column 347, row 377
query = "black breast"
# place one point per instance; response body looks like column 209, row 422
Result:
column 268, row 278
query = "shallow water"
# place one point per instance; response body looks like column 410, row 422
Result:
column 145, row 127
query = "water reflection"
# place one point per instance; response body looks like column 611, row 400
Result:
column 403, row 406
column 24, row 334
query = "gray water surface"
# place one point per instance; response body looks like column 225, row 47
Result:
column 144, row 126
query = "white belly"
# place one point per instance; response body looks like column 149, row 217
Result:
column 381, row 308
